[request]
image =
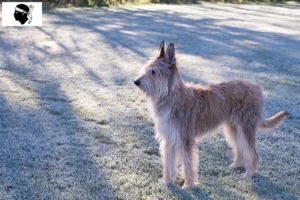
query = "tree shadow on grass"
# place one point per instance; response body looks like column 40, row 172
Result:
column 221, row 37
column 193, row 193
column 214, row 40
column 283, row 5
column 266, row 189
column 177, row 1
column 44, row 151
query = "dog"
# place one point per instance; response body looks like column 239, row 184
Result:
column 183, row 113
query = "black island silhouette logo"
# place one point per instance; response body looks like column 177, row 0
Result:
column 23, row 13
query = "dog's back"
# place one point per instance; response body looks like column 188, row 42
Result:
column 228, row 102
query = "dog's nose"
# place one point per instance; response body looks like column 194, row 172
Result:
column 137, row 82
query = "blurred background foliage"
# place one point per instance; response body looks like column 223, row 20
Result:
column 98, row 3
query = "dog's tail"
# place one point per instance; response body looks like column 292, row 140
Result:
column 273, row 122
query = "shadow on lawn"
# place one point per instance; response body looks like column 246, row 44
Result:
column 130, row 23
column 216, row 40
column 193, row 193
column 266, row 189
column 44, row 147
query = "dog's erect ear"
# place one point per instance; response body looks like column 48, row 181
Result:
column 170, row 55
column 161, row 50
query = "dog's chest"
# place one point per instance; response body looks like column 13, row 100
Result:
column 165, row 127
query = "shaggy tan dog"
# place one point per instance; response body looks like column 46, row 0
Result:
column 183, row 113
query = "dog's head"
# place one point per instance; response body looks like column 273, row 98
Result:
column 158, row 77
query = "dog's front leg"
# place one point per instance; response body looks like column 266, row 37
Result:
column 190, row 161
column 167, row 150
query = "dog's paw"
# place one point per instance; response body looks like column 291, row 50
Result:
column 235, row 165
column 188, row 186
column 185, row 187
column 165, row 182
column 246, row 176
column 232, row 166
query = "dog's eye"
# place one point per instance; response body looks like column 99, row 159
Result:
column 153, row 72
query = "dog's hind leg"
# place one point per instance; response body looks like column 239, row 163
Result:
column 231, row 135
column 168, row 153
column 246, row 140
column 190, row 159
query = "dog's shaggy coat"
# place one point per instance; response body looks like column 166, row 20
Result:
column 183, row 113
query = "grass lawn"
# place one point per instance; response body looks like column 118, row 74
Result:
column 74, row 126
